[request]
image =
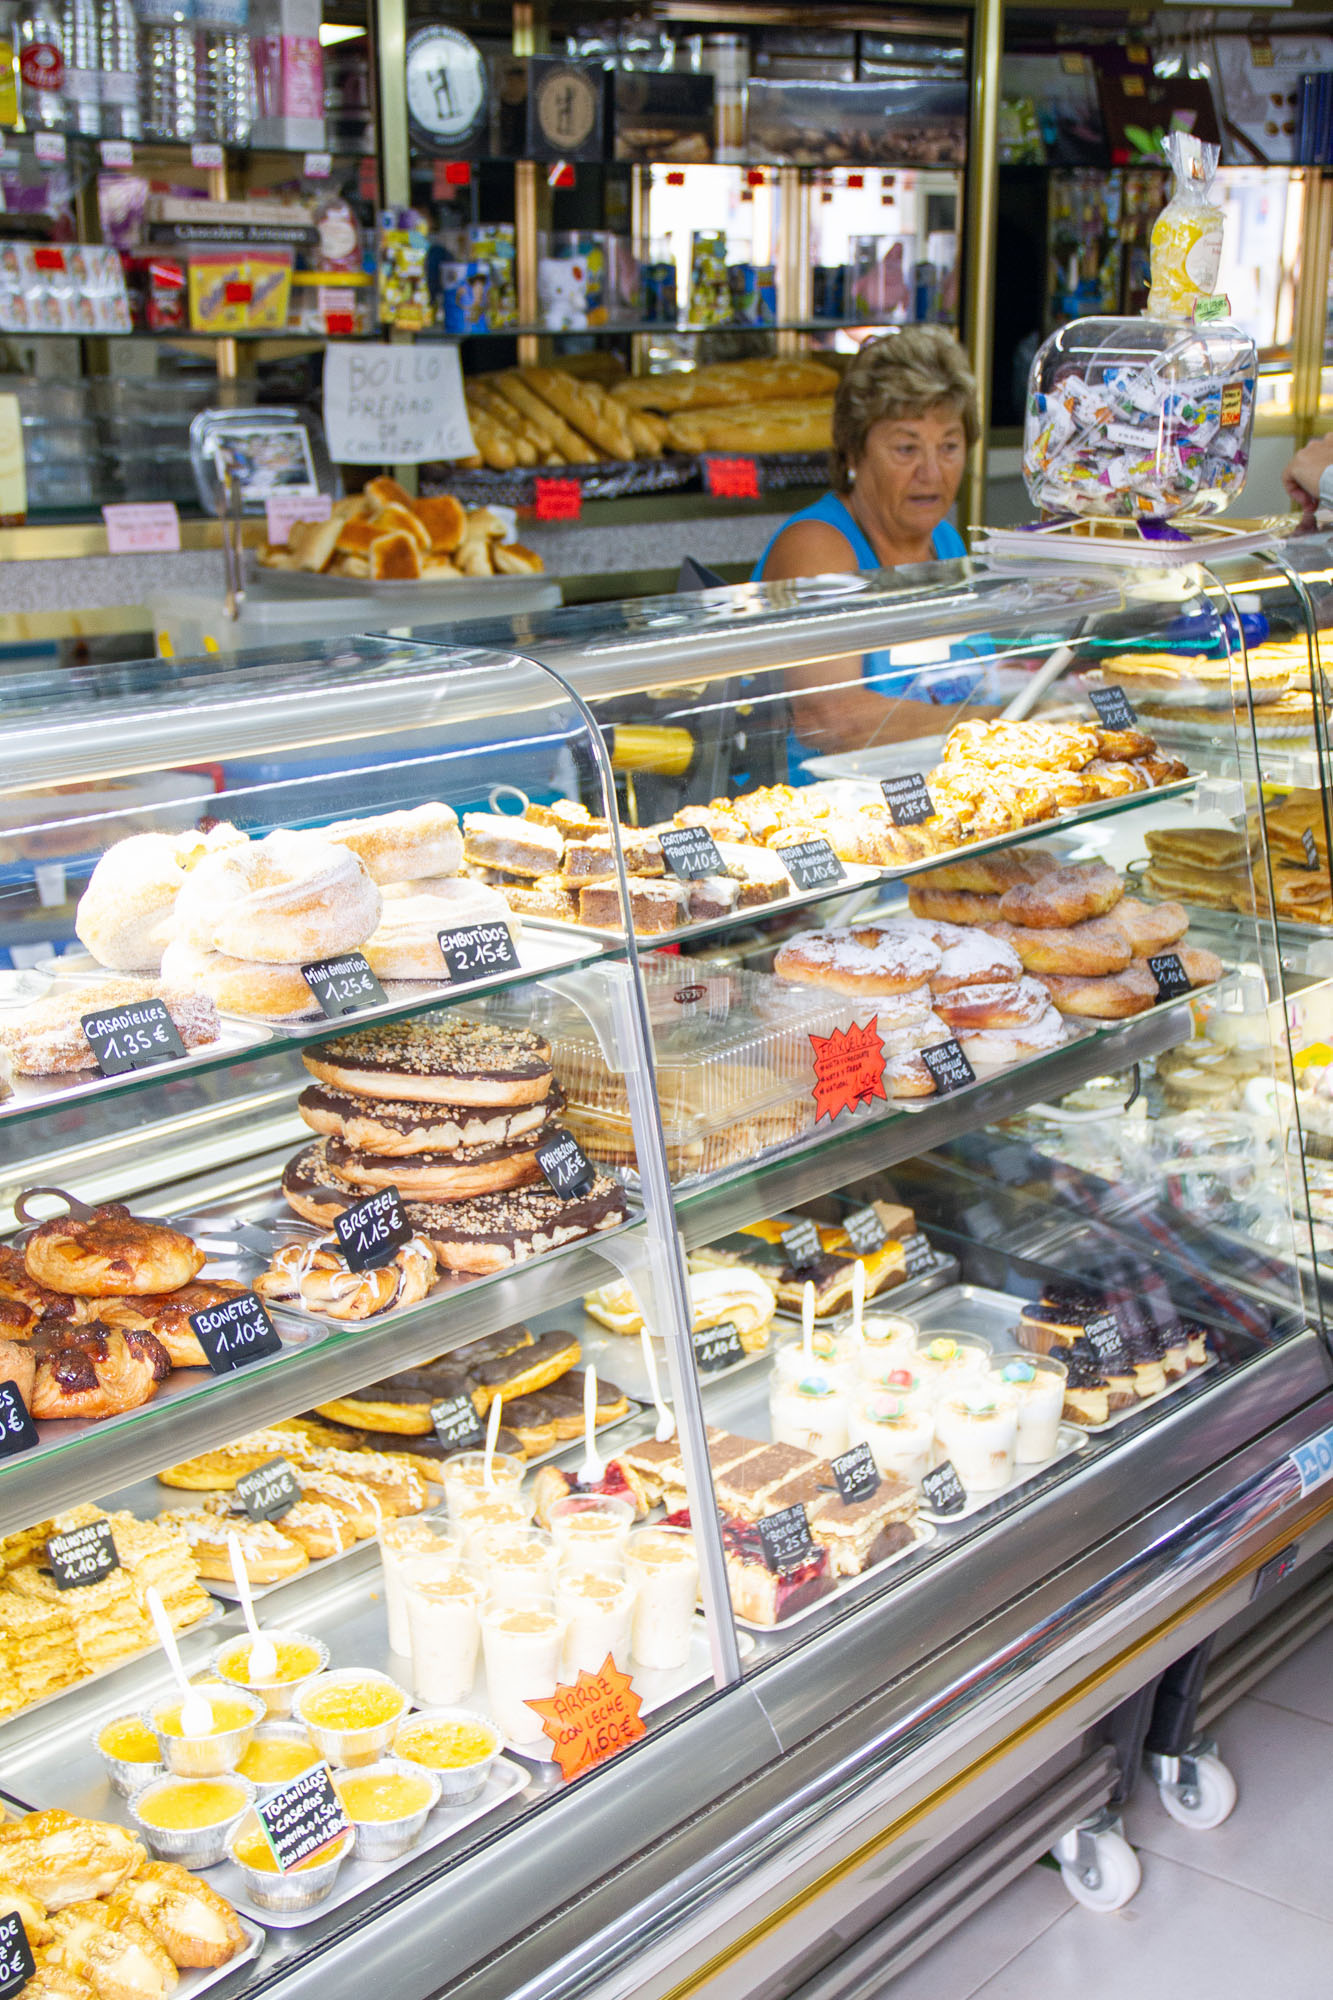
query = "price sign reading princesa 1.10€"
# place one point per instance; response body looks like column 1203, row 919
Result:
column 592, row 1720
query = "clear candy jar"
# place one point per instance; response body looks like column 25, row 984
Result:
column 1139, row 418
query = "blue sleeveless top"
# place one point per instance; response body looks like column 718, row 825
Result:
column 877, row 669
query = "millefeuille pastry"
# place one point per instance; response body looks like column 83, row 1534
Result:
column 518, row 846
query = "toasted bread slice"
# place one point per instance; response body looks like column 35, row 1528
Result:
column 351, row 507
column 395, row 556
column 313, row 542
column 386, row 492
column 355, row 537
column 401, row 520
column 444, row 520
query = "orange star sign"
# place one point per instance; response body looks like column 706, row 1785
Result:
column 592, row 1720
column 849, row 1068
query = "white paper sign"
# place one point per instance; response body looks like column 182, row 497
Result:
column 388, row 405
column 284, row 510
column 142, row 527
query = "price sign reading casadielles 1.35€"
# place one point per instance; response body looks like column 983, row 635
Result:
column 132, row 1037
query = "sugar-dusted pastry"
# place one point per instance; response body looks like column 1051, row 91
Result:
column 405, row 944
column 519, row 846
column 1063, row 896
column 876, row 959
column 403, row 846
column 125, row 914
column 258, row 988
column 46, row 1039
column 287, row 899
column 1087, row 949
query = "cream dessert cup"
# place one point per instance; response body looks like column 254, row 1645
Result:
column 514, row 1563
column 976, row 1428
column 400, row 1540
column 443, row 1599
column 808, row 1402
column 663, row 1565
column 590, row 1530
column 484, row 1516
column 949, row 1362
column 1038, row 1381
column 884, row 1334
column 598, row 1608
column 464, row 1478
column 522, row 1645
column 898, row 1425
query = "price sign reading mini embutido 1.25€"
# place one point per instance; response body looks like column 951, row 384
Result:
column 132, row 1037
column 372, row 1232
column 235, row 1333
column 477, row 950
column 343, row 985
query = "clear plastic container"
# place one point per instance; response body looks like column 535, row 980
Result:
column 735, row 1071
column 1139, row 418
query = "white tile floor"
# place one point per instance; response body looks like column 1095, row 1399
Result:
column 1232, row 1913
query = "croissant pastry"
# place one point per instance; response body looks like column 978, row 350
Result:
column 188, row 1918
column 94, row 1370
column 124, row 1963
column 58, row 1858
column 167, row 1316
column 52, row 1982
column 110, row 1254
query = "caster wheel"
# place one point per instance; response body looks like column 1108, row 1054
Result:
column 1110, row 1880
column 1208, row 1801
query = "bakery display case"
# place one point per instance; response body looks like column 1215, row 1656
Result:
column 633, row 1182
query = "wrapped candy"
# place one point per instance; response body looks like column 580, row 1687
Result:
column 1139, row 419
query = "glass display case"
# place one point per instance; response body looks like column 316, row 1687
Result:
column 720, row 1101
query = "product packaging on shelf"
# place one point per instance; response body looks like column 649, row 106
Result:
column 1186, row 246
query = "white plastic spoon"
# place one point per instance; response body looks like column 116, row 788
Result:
column 808, row 1323
column 858, row 1300
column 592, row 1471
column 263, row 1653
column 666, row 1422
column 196, row 1708
column 492, row 1433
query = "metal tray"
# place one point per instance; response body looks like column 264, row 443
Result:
column 355, row 1877
column 33, row 1094
column 191, row 1984
column 977, row 1309
column 922, row 1532
column 857, row 877
column 1069, row 1440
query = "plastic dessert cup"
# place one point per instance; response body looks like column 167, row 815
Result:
column 977, row 1429
column 443, row 1598
column 129, row 1749
column 464, row 1476
column 207, row 1756
column 898, row 1425
column 500, row 1510
column 946, row 1360
column 398, row 1541
column 279, row 1753
column 515, row 1563
column 590, row 1529
column 599, row 1609
column 231, row 1663
column 663, row 1565
column 302, row 1888
column 388, row 1803
column 881, row 1330
column 522, row 1644
column 808, row 1402
column 351, row 1714
column 1038, row 1381
column 456, row 1746
column 190, row 1819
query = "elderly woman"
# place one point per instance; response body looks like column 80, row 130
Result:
column 905, row 415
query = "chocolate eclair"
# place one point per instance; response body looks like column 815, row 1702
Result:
column 452, row 1176
column 526, row 1370
column 437, row 1061
column 402, row 1129
column 425, row 1446
column 399, row 1404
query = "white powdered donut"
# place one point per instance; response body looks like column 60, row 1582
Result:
column 284, row 900
column 995, row 1048
column 870, row 959
column 406, row 942
column 265, row 991
column 124, row 915
column 403, row 846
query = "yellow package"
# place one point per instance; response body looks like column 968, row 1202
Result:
column 219, row 291
column 270, row 276
column 1186, row 245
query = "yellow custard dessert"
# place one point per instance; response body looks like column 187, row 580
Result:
column 445, row 1746
column 353, row 1705
column 228, row 1713
column 252, row 1848
column 130, row 1739
column 382, row 1796
column 186, row 1804
column 295, row 1660
column 275, row 1763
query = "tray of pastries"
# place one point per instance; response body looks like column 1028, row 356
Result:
column 1225, row 868
column 386, row 537
column 759, row 1251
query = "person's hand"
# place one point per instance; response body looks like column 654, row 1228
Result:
column 1304, row 472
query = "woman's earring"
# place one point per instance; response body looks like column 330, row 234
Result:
column 851, row 475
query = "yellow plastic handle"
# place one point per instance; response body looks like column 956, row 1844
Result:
column 667, row 753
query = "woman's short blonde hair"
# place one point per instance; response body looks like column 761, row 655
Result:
column 901, row 375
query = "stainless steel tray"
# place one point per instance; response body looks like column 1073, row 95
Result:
column 1069, row 1440
column 192, row 1984
column 33, row 1094
column 922, row 1532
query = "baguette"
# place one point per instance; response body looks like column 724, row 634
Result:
column 495, row 416
column 496, row 448
column 582, row 404
column 647, row 435
column 558, row 434
column 806, row 426
column 730, row 382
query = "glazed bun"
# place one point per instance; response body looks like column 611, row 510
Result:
column 287, row 899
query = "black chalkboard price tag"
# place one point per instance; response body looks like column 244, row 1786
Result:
column 1171, row 976
column 457, row 1425
column 478, row 950
column 812, row 864
column 801, row 1246
column 857, row 1474
column 568, row 1170
column 949, row 1066
column 908, row 799
column 786, row 1539
column 865, row 1232
column 717, row 1347
column 132, row 1037
column 918, row 1254
column 1107, row 1342
column 943, row 1491
column 343, row 985
column 17, row 1962
column 235, row 1333
column 372, row 1231
column 690, row 852
column 303, row 1817
column 1311, row 846
column 268, row 1491
column 83, row 1555
column 18, row 1432
column 1113, row 708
